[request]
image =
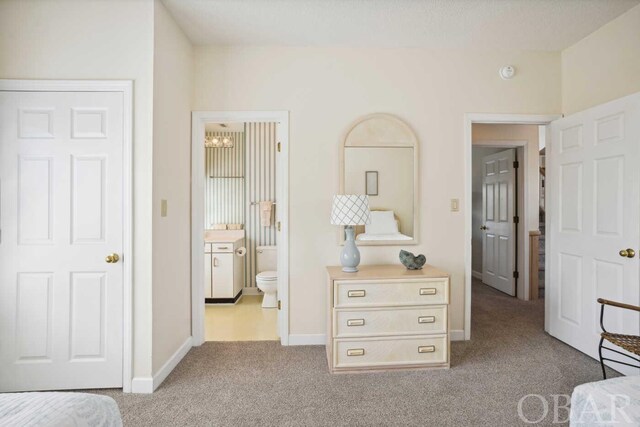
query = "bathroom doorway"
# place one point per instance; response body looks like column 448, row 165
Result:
column 239, row 226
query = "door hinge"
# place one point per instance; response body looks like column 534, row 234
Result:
column 516, row 164
column 278, row 225
column 279, row 147
column 516, row 220
column 279, row 305
column 516, row 275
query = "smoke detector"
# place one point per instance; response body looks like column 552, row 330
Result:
column 507, row 72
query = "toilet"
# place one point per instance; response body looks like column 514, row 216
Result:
column 267, row 277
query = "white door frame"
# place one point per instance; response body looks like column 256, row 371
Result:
column 469, row 120
column 199, row 119
column 126, row 87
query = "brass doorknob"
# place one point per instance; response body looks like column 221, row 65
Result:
column 627, row 253
column 112, row 258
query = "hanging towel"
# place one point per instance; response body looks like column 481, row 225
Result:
column 265, row 213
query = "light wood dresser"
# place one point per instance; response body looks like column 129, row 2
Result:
column 387, row 317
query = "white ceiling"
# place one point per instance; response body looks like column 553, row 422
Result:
column 467, row 24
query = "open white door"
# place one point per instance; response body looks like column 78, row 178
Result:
column 61, row 215
column 593, row 199
column 498, row 211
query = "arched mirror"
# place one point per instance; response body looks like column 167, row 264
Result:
column 379, row 158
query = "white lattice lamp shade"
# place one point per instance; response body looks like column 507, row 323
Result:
column 350, row 209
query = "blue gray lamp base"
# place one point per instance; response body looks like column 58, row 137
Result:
column 350, row 256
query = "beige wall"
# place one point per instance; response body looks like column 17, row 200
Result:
column 172, row 72
column 91, row 39
column 604, row 65
column 326, row 89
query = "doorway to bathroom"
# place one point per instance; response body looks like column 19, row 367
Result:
column 239, row 226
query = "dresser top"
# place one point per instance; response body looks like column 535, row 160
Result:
column 389, row 271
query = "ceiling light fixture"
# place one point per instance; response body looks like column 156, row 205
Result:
column 213, row 141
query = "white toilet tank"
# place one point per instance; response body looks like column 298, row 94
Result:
column 266, row 258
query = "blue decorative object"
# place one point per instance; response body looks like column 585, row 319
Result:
column 350, row 256
column 411, row 261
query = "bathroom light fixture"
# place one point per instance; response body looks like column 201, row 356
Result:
column 212, row 141
column 227, row 142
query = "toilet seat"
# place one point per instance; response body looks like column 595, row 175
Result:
column 268, row 275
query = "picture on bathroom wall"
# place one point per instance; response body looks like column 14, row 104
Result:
column 371, row 183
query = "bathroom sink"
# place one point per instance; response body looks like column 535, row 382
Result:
column 223, row 236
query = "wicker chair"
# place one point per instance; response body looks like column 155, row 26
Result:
column 631, row 343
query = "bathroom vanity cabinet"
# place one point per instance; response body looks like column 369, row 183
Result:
column 224, row 271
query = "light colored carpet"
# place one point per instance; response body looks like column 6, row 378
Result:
column 263, row 383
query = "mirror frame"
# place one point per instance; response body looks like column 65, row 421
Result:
column 385, row 131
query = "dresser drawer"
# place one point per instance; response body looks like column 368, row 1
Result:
column 390, row 321
column 352, row 293
column 373, row 352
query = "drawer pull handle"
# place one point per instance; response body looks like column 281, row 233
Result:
column 355, row 322
column 223, row 247
column 355, row 352
column 426, row 319
column 427, row 349
column 427, row 291
column 356, row 294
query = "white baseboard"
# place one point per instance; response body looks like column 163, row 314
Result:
column 307, row 339
column 142, row 385
column 251, row 291
column 170, row 365
column 457, row 334
column 476, row 274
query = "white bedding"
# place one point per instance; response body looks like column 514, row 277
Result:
column 614, row 402
column 373, row 237
column 57, row 409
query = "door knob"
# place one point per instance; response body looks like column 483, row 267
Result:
column 627, row 253
column 484, row 227
column 112, row 258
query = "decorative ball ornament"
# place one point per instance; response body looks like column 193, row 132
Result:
column 507, row 72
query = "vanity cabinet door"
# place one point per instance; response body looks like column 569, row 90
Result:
column 208, row 276
column 223, row 275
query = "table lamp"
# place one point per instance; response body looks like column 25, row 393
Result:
column 350, row 210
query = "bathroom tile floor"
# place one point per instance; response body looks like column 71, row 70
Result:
column 244, row 321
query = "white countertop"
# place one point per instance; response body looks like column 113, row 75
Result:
column 223, row 236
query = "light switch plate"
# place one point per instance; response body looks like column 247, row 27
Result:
column 163, row 207
column 455, row 205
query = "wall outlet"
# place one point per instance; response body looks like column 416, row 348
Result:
column 455, row 205
column 163, row 207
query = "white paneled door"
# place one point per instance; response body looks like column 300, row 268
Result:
column 61, row 217
column 593, row 208
column 498, row 211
